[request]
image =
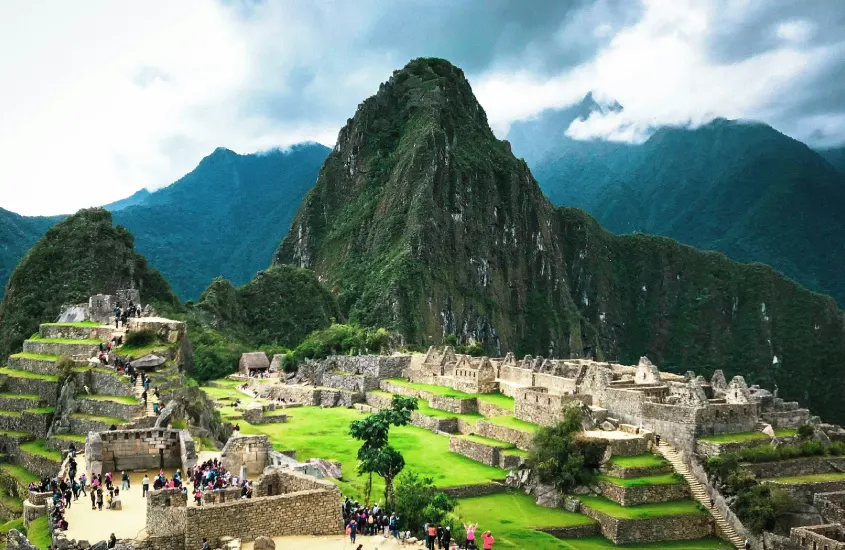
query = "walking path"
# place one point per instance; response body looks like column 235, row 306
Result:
column 139, row 392
column 699, row 493
column 338, row 542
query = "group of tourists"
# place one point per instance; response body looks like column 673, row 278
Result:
column 212, row 476
column 122, row 315
column 368, row 521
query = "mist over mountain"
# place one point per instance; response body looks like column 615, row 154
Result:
column 738, row 187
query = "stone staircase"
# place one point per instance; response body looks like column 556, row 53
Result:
column 699, row 493
column 139, row 392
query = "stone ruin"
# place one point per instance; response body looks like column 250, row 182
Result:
column 139, row 449
column 100, row 307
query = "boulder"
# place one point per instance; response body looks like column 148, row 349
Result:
column 148, row 361
column 100, row 546
column 548, row 496
column 608, row 426
column 328, row 469
column 264, row 543
column 572, row 504
column 768, row 430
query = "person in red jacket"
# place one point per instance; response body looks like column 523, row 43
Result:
column 488, row 539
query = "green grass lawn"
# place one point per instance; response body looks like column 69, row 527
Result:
column 736, row 437
column 104, row 370
column 30, row 396
column 498, row 399
column 511, row 422
column 486, row 441
column 14, row 504
column 640, row 461
column 19, row 472
column 37, row 448
column 37, row 338
column 103, row 419
column 227, row 382
column 809, row 478
column 324, row 433
column 515, row 452
column 512, row 518
column 665, row 479
column 179, row 425
column 786, row 432
column 15, row 373
column 122, row 399
column 41, row 410
column 39, row 534
column 436, row 390
column 10, row 413
column 139, row 351
column 77, row 438
column 600, row 543
column 35, row 356
column 10, row 433
column 79, row 324
column 644, row 511
column 16, row 524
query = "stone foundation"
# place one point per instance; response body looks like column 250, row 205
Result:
column 643, row 494
column 107, row 408
column 479, row 452
column 248, row 451
column 468, row 491
column 629, row 531
column 444, row 425
column 379, row 401
column 610, row 469
column 17, row 404
column 521, row 440
column 69, row 349
column 797, row 467
column 804, row 492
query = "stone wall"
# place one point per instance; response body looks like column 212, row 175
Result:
column 451, row 404
column 336, row 397
column 489, row 410
column 250, row 451
column 38, row 366
column 643, row 494
column 166, row 329
column 469, row 491
column 538, row 406
column 108, row 408
column 522, row 440
column 831, row 506
column 166, row 513
column 786, row 419
column 613, row 470
column 85, row 425
column 628, row 531
column 627, row 446
column 314, row 511
column 479, row 452
column 17, row 403
column 555, row 384
column 818, row 537
column 306, row 395
column 446, row 425
column 376, row 366
column 73, row 332
column 9, row 442
column 351, row 382
column 139, row 449
column 798, row 467
column 579, row 532
column 37, row 424
column 219, row 496
column 379, row 400
column 46, row 390
column 398, row 389
column 60, row 348
column 516, row 375
column 804, row 492
column 13, row 486
column 104, row 382
column 37, row 464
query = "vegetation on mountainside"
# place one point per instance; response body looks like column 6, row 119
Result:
column 339, row 339
column 684, row 309
column 77, row 258
column 562, row 459
column 17, row 235
column 280, row 306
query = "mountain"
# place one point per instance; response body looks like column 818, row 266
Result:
column 17, row 235
column 422, row 221
column 137, row 198
column 225, row 218
column 78, row 257
column 737, row 187
column 835, row 156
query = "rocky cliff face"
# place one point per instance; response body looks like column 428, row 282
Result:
column 422, row 221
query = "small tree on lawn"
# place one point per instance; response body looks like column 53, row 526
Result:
column 376, row 455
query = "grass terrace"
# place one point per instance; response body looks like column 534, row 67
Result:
column 122, row 399
column 514, row 423
column 29, row 396
column 809, row 478
column 424, row 408
column 228, row 382
column 16, row 414
column 79, row 324
column 665, row 479
column 42, row 410
column 640, row 461
column 37, row 338
column 37, row 447
column 76, row 438
column 515, row 452
column 486, row 441
column 11, row 433
column 16, row 524
column 498, row 399
column 19, row 472
column 742, row 437
column 39, row 533
column 600, row 543
column 103, row 419
column 442, row 391
column 179, row 425
column 644, row 511
column 35, row 356
column 139, row 351
column 513, row 518
column 14, row 373
column 11, row 503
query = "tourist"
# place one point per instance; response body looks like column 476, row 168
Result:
column 488, row 539
column 657, row 439
column 145, row 485
column 82, row 480
column 114, row 501
column 198, row 497
column 430, row 535
column 440, row 536
column 205, row 544
column 385, row 524
column 747, row 544
column 371, row 530
column 112, row 541
column 352, row 530
column 108, row 480
column 447, row 537
column 100, row 499
column 394, row 526
column 93, row 499
column 72, row 450
column 470, row 529
column 124, row 480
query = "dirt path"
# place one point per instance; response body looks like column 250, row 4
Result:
column 333, row 543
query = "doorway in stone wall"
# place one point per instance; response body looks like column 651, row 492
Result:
column 161, row 459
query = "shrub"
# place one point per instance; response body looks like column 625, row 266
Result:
column 805, row 431
column 418, row 501
column 140, row 338
column 560, row 458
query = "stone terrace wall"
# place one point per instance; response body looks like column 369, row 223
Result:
column 540, row 407
column 166, row 512
column 643, row 494
column 818, row 537
column 140, row 449
column 37, row 464
column 45, row 390
column 831, row 506
column 391, row 387
column 36, row 424
column 71, row 332
column 805, row 492
column 490, row 410
column 351, row 382
column 611, row 469
column 451, row 404
column 251, row 451
column 104, row 383
column 108, row 408
column 379, row 401
column 378, row 366
column 307, row 395
column 485, row 454
column 797, row 467
column 447, row 425
column 522, row 440
column 310, row 512
column 627, row 531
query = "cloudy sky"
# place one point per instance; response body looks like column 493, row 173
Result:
column 103, row 97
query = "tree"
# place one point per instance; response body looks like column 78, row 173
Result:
column 376, row 455
column 419, row 501
column 561, row 459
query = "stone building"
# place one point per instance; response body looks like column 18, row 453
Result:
column 253, row 363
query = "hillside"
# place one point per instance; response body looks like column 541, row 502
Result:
column 835, row 156
column 17, row 235
column 77, row 258
column 422, row 221
column 737, row 187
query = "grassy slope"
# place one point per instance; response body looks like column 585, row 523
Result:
column 641, row 461
column 810, row 478
column 643, row 511
column 664, row 479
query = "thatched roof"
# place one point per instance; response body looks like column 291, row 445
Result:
column 253, row 361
